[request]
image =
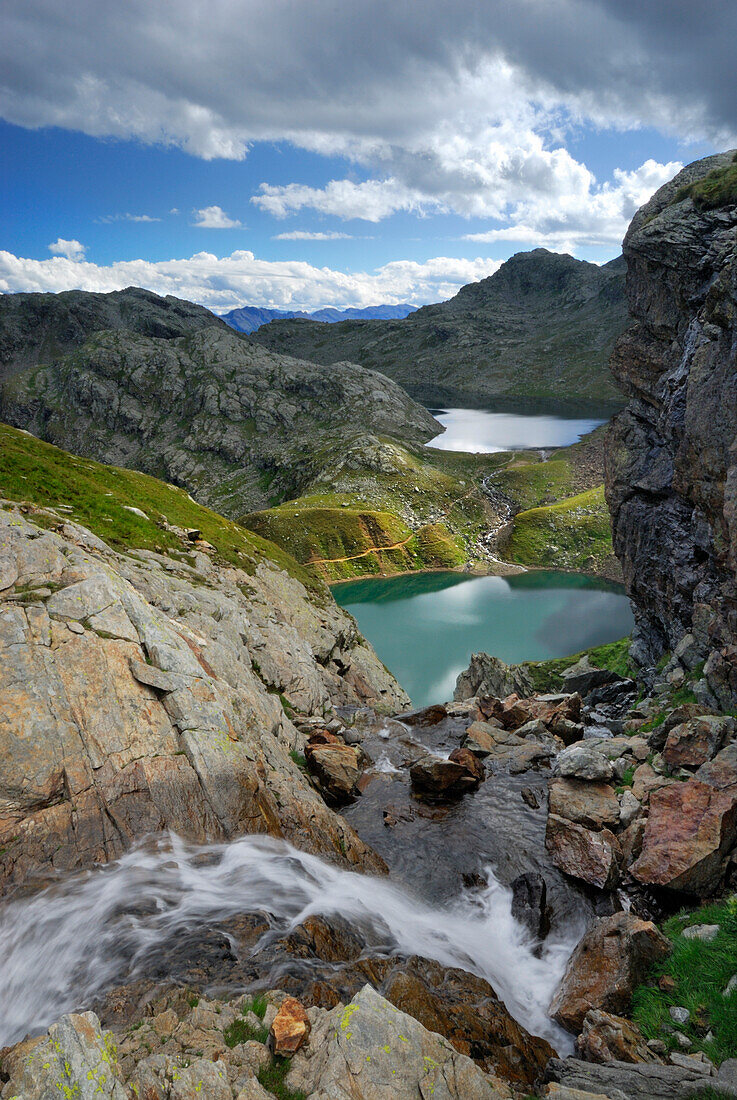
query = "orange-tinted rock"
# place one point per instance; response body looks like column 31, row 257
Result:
column 466, row 759
column 335, row 766
column 609, row 961
column 586, row 854
column 608, row 1038
column 290, row 1028
column 461, row 772
column 690, row 829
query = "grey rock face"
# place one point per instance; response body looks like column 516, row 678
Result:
column 238, row 423
column 671, row 473
column 36, row 328
column 643, row 1081
column 487, row 675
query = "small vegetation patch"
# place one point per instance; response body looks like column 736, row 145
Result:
column 717, row 189
column 272, row 1079
column 546, row 675
column 240, row 1031
column 695, row 976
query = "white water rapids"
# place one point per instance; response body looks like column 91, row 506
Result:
column 64, row 946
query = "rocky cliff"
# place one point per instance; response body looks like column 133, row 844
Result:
column 149, row 689
column 235, row 424
column 671, row 469
column 542, row 326
column 37, row 328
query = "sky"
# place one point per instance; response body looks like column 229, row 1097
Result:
column 295, row 154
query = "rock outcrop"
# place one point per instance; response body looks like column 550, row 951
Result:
column 239, row 426
column 671, row 467
column 141, row 692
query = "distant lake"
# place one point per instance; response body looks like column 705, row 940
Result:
column 512, row 429
column 425, row 626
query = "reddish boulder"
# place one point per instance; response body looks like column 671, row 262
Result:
column 585, row 854
column 690, row 830
column 428, row 716
column 461, row 772
column 289, row 1029
column 692, row 743
column 609, row 961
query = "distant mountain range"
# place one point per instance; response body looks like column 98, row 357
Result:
column 543, row 326
column 249, row 318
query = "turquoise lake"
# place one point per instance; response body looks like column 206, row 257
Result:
column 425, row 626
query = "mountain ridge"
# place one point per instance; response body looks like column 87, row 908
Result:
column 248, row 319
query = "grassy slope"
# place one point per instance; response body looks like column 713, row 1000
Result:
column 700, row 973
column 96, row 496
column 546, row 675
column 574, row 534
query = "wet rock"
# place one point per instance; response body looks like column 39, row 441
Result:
column 487, row 675
column 369, row 1049
column 593, row 856
column 529, row 755
column 335, row 767
column 699, row 739
column 290, row 1028
column 529, row 903
column 75, row 1058
column 480, row 739
column 591, row 804
column 610, row 960
column 529, row 797
column 428, row 716
column 434, row 775
column 583, row 761
column 689, row 832
column 608, row 1038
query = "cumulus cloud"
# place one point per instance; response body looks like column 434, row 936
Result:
column 243, row 279
column 214, row 217
column 72, row 250
column 307, row 235
column 583, row 216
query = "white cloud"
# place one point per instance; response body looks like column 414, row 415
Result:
column 243, row 279
column 587, row 216
column 127, row 218
column 214, row 217
column 307, row 235
column 72, row 250
column 372, row 200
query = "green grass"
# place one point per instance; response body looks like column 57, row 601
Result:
column 546, row 675
column 573, row 534
column 717, row 189
column 700, row 971
column 97, row 495
column 257, row 1006
column 271, row 1077
column 240, row 1031
column 298, row 759
column 627, row 779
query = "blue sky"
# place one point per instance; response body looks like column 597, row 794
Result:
column 194, row 155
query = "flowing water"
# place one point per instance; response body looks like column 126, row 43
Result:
column 512, row 428
column 425, row 626
column 66, row 945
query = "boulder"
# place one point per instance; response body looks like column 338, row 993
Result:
column 428, row 716
column 657, row 737
column 551, row 710
column 689, row 832
column 462, row 771
column 370, row 1050
column 586, row 854
column 530, row 904
column 290, row 1028
column 74, row 1059
column 487, row 675
column 721, row 772
column 480, row 739
column 624, row 1081
column 611, row 959
column 591, row 804
column 697, row 740
column 583, row 761
column 609, row 1038
column 335, row 767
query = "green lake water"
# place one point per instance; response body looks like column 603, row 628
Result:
column 425, row 626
